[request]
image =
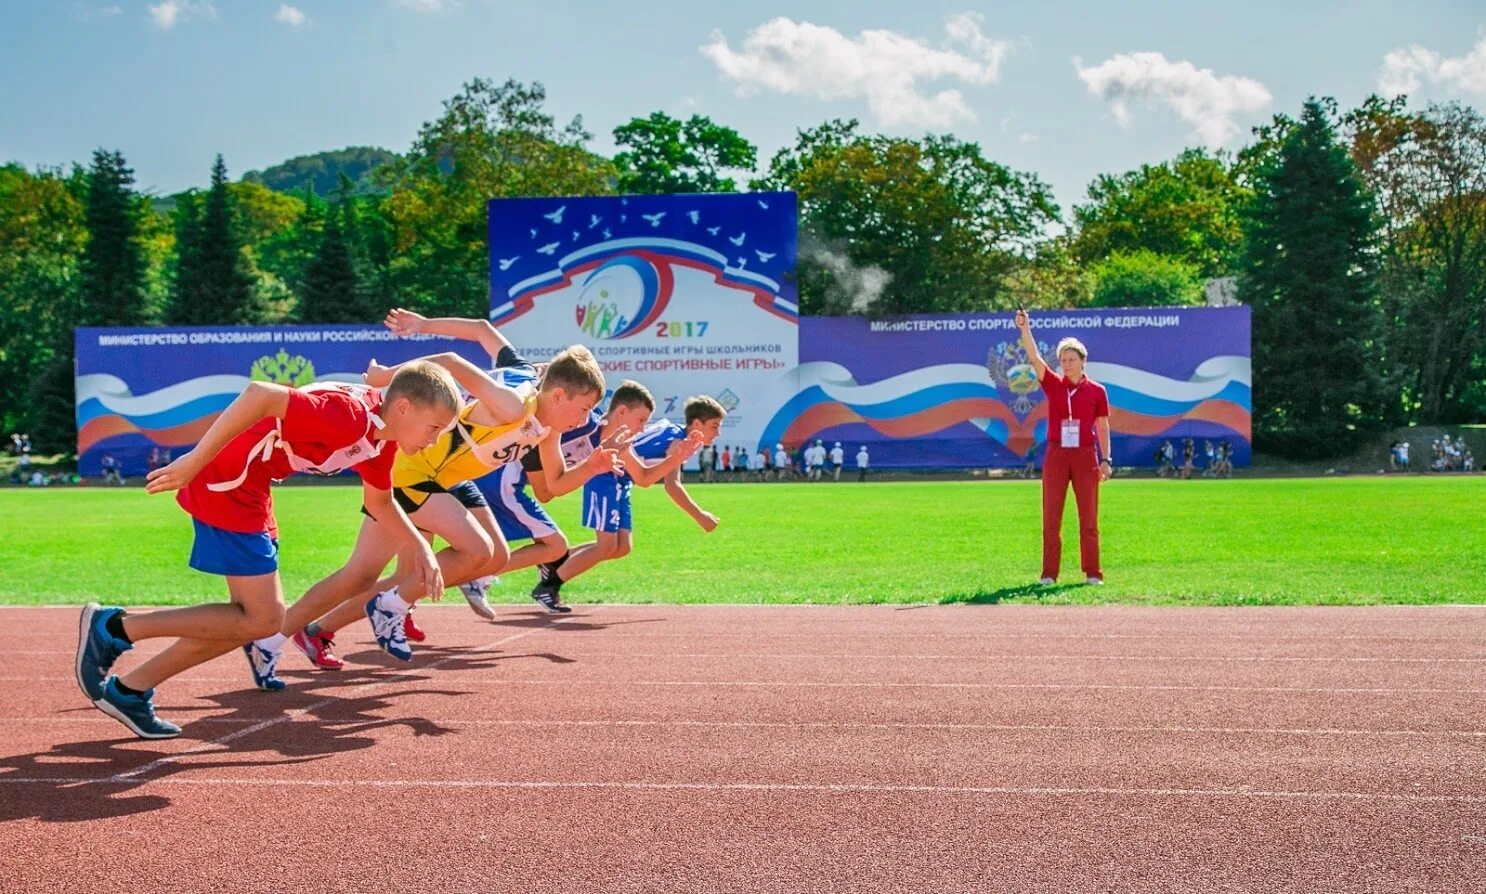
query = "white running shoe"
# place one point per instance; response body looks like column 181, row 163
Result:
column 474, row 593
column 1047, row 582
column 1095, row 581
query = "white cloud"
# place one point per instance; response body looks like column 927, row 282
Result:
column 428, row 5
column 1406, row 69
column 87, row 13
column 290, row 16
column 166, row 14
column 1210, row 103
column 888, row 69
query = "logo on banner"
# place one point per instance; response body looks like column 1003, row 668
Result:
column 619, row 298
column 728, row 399
column 283, row 369
column 1009, row 369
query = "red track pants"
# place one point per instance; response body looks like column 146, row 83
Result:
column 1060, row 466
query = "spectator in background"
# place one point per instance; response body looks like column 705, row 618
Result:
column 741, row 461
column 25, row 464
column 727, row 461
column 781, row 462
column 111, row 470
column 1403, row 455
column 1165, row 459
column 704, row 463
column 758, row 464
column 1467, row 460
column 818, row 461
column 1189, row 452
column 15, row 443
column 862, row 463
column 1211, row 453
column 838, row 459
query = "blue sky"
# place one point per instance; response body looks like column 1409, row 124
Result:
column 1065, row 90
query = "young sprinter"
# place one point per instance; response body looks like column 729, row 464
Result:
column 563, row 398
column 509, row 490
column 268, row 432
column 426, row 488
column 606, row 499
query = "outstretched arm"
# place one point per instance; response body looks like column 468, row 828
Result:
column 647, row 474
column 1029, row 344
column 503, row 401
column 405, row 322
column 677, row 492
column 559, row 478
column 260, row 400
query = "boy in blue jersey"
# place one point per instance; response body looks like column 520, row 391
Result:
column 655, row 454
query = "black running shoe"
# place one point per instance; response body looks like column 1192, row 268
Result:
column 547, row 596
column 547, row 571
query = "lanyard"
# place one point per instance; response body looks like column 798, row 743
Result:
column 1068, row 393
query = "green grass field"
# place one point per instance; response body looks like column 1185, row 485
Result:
column 1351, row 540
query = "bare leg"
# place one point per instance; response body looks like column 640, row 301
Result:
column 260, row 596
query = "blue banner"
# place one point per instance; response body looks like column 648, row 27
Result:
column 956, row 391
column 146, row 393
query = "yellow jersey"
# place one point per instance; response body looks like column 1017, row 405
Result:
column 468, row 450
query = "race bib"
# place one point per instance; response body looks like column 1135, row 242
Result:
column 1070, row 433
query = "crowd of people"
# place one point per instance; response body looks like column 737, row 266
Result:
column 1446, row 454
column 1215, row 460
column 811, row 462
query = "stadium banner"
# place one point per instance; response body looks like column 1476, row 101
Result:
column 139, row 389
column 686, row 294
column 957, row 391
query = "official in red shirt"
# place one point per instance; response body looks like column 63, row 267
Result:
column 1077, row 452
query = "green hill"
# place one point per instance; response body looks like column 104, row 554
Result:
column 323, row 169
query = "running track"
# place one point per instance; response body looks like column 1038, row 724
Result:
column 773, row 749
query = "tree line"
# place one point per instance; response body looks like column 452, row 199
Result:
column 1358, row 236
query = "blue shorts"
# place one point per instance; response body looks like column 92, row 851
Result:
column 216, row 551
column 517, row 512
column 606, row 504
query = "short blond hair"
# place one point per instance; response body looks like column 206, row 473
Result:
column 575, row 371
column 703, row 408
column 1075, row 344
column 424, row 384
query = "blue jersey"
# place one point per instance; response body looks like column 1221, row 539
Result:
column 657, row 438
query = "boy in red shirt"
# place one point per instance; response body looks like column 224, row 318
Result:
column 268, row 433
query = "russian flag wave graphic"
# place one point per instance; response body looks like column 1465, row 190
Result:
column 934, row 398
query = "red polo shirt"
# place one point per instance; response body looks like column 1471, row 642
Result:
column 1088, row 400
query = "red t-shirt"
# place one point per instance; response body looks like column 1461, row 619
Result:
column 1088, row 400
column 328, row 428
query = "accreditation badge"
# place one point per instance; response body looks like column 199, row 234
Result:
column 1070, row 433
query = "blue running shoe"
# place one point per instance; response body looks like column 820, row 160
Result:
column 97, row 649
column 262, row 663
column 135, row 711
column 388, row 628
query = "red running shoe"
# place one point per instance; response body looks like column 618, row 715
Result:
column 411, row 628
column 317, row 649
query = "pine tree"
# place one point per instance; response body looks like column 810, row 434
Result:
column 185, row 305
column 1309, row 271
column 214, row 284
column 112, row 291
column 330, row 293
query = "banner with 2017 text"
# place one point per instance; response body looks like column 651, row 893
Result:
column 687, row 294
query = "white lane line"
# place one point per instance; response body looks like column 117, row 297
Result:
column 825, row 788
column 851, row 725
column 999, row 656
column 299, row 712
column 463, row 678
column 1001, row 634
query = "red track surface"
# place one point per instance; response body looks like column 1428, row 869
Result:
column 772, row 749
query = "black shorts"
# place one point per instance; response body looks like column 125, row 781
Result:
column 465, row 492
